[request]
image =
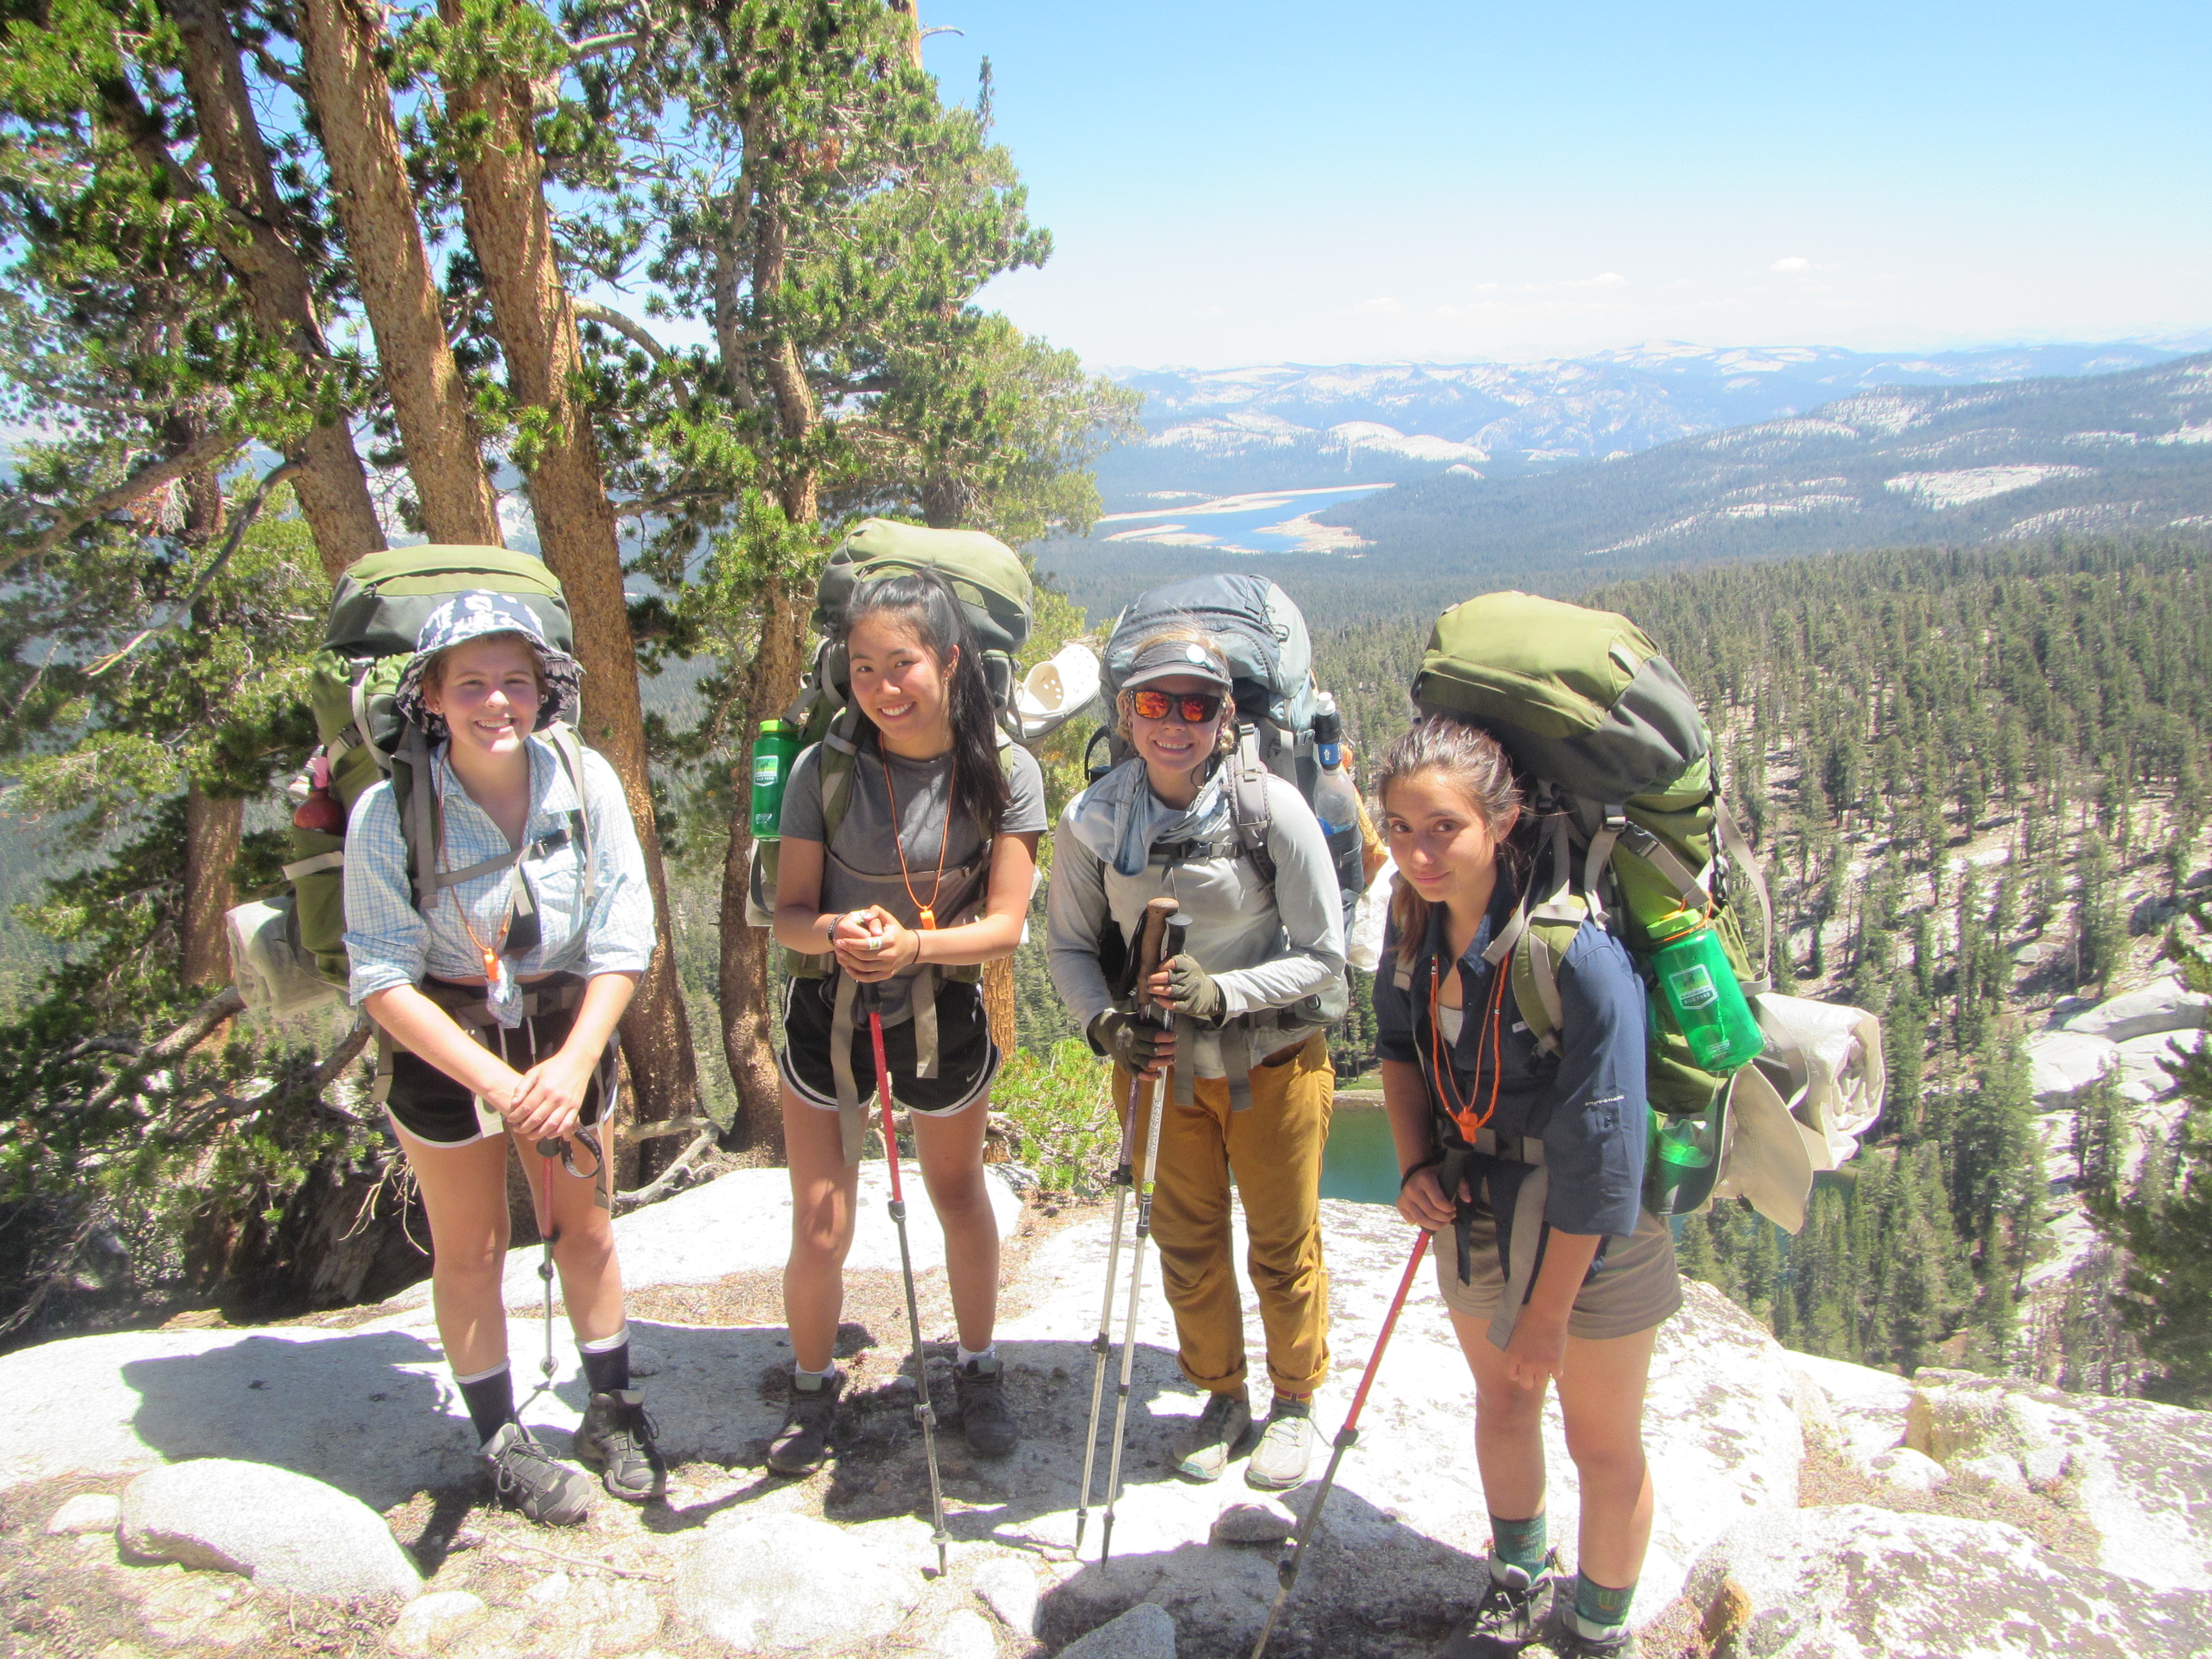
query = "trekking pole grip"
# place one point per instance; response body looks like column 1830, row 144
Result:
column 1149, row 940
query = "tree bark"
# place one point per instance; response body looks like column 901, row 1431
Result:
column 746, row 1013
column 376, row 205
column 330, row 484
column 212, row 829
column 911, row 10
column 503, row 207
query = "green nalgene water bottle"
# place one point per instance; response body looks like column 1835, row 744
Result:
column 774, row 751
column 1707, row 1004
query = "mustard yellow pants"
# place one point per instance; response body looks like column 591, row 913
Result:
column 1274, row 1151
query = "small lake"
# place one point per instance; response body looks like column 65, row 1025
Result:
column 1262, row 521
column 1360, row 1163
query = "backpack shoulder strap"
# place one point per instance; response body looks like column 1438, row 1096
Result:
column 1248, row 802
column 415, row 796
column 839, row 755
column 570, row 749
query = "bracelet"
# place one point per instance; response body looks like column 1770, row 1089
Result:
column 1430, row 1162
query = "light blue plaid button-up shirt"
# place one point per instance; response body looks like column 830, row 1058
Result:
column 389, row 942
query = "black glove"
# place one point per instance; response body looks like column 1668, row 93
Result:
column 1128, row 1042
column 1191, row 991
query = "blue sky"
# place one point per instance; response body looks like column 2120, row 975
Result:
column 1230, row 182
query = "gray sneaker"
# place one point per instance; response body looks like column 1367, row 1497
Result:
column 524, row 1476
column 803, row 1443
column 987, row 1421
column 1203, row 1450
column 1510, row 1616
column 1279, row 1461
column 616, row 1437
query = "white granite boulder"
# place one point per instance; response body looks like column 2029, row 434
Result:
column 88, row 1511
column 1146, row 1632
column 430, row 1623
column 1853, row 1582
column 2061, row 1064
column 280, row 1529
column 787, row 1583
column 2162, row 1006
column 1009, row 1589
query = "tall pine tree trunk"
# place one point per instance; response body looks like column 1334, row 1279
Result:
column 376, row 204
column 747, row 1014
column 212, row 829
column 503, row 205
column 745, row 979
column 329, row 482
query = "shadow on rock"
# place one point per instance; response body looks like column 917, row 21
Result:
column 1371, row 1587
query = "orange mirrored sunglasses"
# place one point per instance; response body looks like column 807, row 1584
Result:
column 1192, row 707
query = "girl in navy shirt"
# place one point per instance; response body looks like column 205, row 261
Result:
column 1529, row 1167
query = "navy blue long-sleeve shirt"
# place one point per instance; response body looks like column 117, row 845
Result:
column 1588, row 1105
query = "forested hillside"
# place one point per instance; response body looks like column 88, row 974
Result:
column 1976, row 782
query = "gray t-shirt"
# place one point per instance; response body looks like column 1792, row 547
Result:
column 862, row 868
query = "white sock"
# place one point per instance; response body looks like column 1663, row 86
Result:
column 604, row 1344
column 810, row 1381
column 961, row 1355
column 1590, row 1629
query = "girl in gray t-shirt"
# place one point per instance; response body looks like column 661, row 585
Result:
column 901, row 864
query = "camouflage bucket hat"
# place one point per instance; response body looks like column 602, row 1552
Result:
column 473, row 616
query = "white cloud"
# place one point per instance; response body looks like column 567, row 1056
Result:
column 1794, row 265
column 1604, row 279
column 1382, row 307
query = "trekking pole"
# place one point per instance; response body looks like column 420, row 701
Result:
column 1172, row 945
column 549, row 1235
column 1148, row 961
column 1294, row 1552
column 924, row 1412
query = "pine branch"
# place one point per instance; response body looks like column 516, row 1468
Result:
column 207, row 452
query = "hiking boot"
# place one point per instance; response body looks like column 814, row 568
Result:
column 524, row 1476
column 803, row 1443
column 986, row 1420
column 1203, row 1450
column 1564, row 1634
column 615, row 1438
column 1279, row 1461
column 1509, row 1616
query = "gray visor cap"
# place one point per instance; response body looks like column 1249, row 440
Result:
column 1167, row 659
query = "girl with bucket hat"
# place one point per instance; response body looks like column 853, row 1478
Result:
column 496, row 963
column 1246, row 1061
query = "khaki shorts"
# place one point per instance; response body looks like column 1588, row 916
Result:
column 1635, row 1287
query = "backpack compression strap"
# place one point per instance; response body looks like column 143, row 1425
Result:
column 419, row 826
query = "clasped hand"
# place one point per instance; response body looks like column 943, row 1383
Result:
column 872, row 945
column 547, row 1101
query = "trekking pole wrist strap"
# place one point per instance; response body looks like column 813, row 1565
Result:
column 1435, row 1157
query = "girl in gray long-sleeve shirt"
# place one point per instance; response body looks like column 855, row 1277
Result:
column 1250, row 1087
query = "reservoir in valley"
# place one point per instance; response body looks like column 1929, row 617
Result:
column 1259, row 521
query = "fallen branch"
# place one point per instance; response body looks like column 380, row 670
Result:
column 665, row 1125
column 646, row 1573
column 225, row 1107
column 211, row 1016
column 625, row 1202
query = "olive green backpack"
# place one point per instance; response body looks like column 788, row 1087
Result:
column 288, row 952
column 994, row 588
column 1620, row 760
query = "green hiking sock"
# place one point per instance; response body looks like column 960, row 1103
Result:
column 1516, row 1544
column 1600, row 1606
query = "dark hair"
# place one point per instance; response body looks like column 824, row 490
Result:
column 1475, row 763
column 924, row 603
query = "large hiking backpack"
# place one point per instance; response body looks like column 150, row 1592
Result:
column 289, row 953
column 1263, row 636
column 1619, row 759
column 993, row 589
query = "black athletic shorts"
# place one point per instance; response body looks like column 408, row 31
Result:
column 439, row 1112
column 967, row 1059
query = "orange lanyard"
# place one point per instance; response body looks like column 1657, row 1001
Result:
column 927, row 918
column 1463, row 1112
column 490, row 953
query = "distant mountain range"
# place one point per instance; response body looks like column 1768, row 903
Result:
column 1898, row 466
column 1894, row 464
column 1289, row 425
